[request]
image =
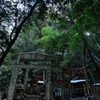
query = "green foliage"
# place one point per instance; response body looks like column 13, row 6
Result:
column 8, row 61
column 64, row 63
column 86, row 13
column 61, row 29
column 4, row 68
column 5, row 74
column 47, row 31
column 74, row 41
column 49, row 36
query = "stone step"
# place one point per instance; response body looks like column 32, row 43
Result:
column 32, row 97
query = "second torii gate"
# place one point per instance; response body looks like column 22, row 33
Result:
column 30, row 57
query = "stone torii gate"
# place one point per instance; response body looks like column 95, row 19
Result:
column 30, row 57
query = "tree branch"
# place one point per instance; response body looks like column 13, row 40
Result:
column 84, row 53
column 2, row 51
column 97, row 68
column 17, row 31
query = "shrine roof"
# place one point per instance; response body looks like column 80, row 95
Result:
column 78, row 80
column 32, row 56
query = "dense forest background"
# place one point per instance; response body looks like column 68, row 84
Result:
column 67, row 29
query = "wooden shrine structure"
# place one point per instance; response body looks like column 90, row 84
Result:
column 78, row 80
column 22, row 61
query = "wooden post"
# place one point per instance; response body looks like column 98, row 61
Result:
column 52, row 91
column 48, row 83
column 11, row 91
column 26, row 77
column 70, row 88
column 62, row 91
column 87, row 82
column 44, row 76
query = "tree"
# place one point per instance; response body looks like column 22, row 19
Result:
column 14, row 17
column 74, row 25
column 72, row 20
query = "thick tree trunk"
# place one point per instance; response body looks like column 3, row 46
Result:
column 17, row 33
